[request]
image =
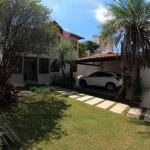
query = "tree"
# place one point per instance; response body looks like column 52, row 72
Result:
column 92, row 46
column 25, row 27
column 129, row 27
column 66, row 53
column 82, row 49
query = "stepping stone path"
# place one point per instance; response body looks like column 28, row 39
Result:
column 73, row 96
column 84, row 98
column 134, row 113
column 147, row 116
column 119, row 108
column 25, row 93
column 94, row 101
column 105, row 104
column 102, row 103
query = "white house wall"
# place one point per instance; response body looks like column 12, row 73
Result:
column 145, row 74
column 85, row 70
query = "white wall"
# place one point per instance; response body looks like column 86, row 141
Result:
column 43, row 78
column 84, row 70
column 145, row 74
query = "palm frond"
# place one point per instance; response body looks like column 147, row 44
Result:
column 130, row 26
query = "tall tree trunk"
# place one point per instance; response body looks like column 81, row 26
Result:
column 71, row 74
column 63, row 73
column 138, row 71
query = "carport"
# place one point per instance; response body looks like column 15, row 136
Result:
column 99, row 62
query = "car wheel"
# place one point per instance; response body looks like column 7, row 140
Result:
column 110, row 87
column 83, row 83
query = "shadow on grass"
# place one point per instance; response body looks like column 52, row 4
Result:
column 39, row 120
column 146, row 132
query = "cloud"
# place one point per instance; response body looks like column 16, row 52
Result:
column 101, row 14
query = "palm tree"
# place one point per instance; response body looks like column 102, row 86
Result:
column 66, row 53
column 129, row 27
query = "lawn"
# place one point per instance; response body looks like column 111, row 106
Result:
column 56, row 122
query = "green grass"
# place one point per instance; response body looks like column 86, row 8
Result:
column 61, row 123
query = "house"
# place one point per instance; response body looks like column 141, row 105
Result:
column 36, row 68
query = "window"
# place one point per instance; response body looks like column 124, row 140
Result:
column 95, row 74
column 74, row 44
column 100, row 74
column 104, row 74
column 54, row 66
column 44, row 65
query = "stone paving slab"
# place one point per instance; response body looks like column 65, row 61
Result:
column 25, row 93
column 147, row 116
column 94, row 101
column 73, row 96
column 65, row 93
column 119, row 108
column 134, row 113
column 80, row 94
column 105, row 104
column 63, row 90
column 84, row 98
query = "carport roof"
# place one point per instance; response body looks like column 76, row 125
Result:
column 100, row 57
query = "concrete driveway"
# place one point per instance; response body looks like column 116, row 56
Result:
column 97, row 89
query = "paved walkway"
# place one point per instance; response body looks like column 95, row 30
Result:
column 106, row 104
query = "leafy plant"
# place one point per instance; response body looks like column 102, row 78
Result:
column 126, row 81
column 8, row 94
column 40, row 88
column 7, row 134
column 59, row 80
column 44, row 90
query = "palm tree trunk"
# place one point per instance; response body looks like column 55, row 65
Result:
column 63, row 73
column 71, row 75
column 138, row 71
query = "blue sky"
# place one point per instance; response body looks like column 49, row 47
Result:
column 81, row 17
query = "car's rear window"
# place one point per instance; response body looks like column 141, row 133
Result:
column 118, row 75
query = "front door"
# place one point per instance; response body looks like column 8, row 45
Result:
column 30, row 70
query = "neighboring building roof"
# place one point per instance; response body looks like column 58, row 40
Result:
column 61, row 29
column 100, row 57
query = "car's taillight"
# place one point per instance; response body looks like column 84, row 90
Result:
column 118, row 79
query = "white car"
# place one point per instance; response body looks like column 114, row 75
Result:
column 109, row 80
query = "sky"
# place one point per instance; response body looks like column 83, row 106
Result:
column 81, row 17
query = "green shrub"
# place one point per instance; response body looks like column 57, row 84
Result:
column 8, row 94
column 44, row 90
column 7, row 134
column 40, row 88
column 57, row 80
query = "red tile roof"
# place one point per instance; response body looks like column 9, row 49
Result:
column 75, row 35
column 99, row 57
